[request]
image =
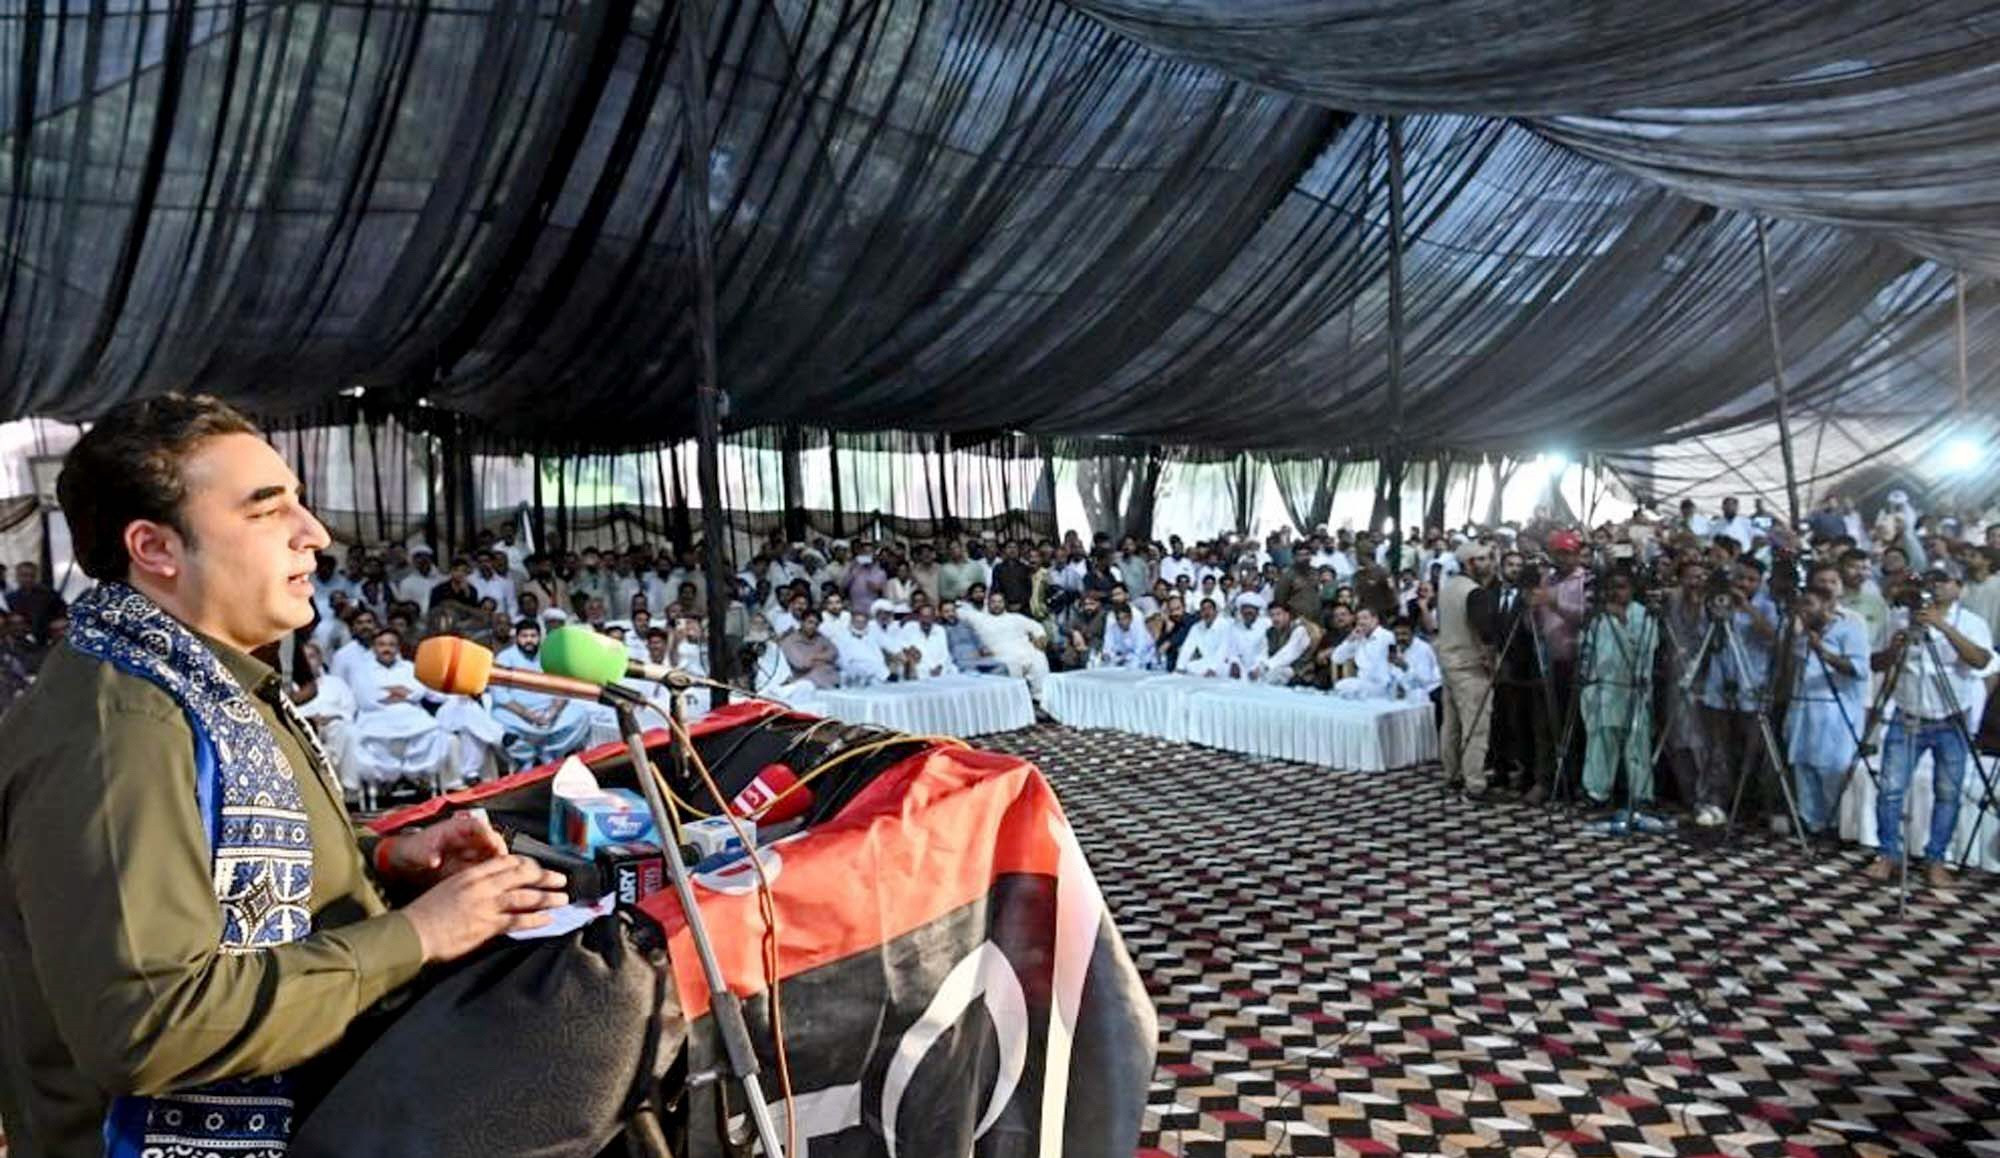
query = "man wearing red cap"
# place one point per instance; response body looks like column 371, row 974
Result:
column 1560, row 608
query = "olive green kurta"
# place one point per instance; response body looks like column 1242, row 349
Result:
column 110, row 977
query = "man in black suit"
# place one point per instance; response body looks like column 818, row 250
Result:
column 1518, row 693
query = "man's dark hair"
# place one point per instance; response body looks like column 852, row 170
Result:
column 127, row 466
column 527, row 625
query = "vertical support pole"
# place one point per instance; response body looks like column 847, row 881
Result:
column 541, row 523
column 1394, row 461
column 833, row 469
column 708, row 395
column 1778, row 384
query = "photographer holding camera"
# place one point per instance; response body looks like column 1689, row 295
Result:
column 1738, row 667
column 1937, row 656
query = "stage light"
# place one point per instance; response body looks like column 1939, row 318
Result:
column 1963, row 454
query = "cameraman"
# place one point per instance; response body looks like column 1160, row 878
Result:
column 1684, row 627
column 1732, row 691
column 1945, row 650
column 1829, row 694
column 1519, row 711
column 1560, row 605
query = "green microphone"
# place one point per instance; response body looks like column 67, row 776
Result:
column 582, row 654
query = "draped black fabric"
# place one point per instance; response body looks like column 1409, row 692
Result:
column 980, row 216
column 1307, row 486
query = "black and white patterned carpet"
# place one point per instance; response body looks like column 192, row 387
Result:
column 1355, row 964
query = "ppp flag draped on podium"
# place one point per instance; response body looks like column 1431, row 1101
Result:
column 951, row 984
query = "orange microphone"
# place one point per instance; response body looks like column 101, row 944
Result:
column 460, row 667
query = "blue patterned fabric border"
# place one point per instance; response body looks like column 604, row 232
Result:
column 261, row 856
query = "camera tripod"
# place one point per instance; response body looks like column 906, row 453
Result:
column 1948, row 695
column 1638, row 692
column 1721, row 639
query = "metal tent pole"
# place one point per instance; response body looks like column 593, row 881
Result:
column 1778, row 384
column 708, row 395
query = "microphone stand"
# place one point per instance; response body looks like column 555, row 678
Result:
column 739, row 1057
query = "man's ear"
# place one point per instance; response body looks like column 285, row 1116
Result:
column 156, row 549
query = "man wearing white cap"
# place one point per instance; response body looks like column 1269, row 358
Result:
column 1246, row 638
column 886, row 631
column 1465, row 617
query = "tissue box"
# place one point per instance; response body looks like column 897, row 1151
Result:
column 585, row 822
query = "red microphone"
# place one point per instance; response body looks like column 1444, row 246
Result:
column 460, row 667
column 771, row 781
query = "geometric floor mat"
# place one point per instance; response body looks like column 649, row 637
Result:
column 1356, row 964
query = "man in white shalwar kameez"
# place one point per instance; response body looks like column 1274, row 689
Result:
column 1013, row 639
column 325, row 701
column 1368, row 647
column 1286, row 642
column 393, row 736
column 1128, row 643
column 862, row 663
column 539, row 728
column 1205, row 651
column 926, row 638
column 1246, row 638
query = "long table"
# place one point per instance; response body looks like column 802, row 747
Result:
column 960, row 705
column 1280, row 723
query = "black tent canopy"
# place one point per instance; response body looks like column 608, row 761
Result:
column 1175, row 225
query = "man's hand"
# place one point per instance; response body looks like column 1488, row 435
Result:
column 397, row 694
column 499, row 896
column 1930, row 617
column 1539, row 597
column 428, row 855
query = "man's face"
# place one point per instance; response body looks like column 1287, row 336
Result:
column 529, row 603
column 1826, row 583
column 1946, row 589
column 1894, row 562
column 1176, row 609
column 1281, row 617
column 1746, row 581
column 1403, row 637
column 1119, row 597
column 1510, row 566
column 1208, row 612
column 926, row 616
column 591, row 560
column 656, row 648
column 996, row 603
column 1011, row 550
column 1124, row 617
column 1853, row 571
column 460, row 573
column 1367, row 623
column 528, row 640
column 365, row 626
column 1729, row 507
column 1977, row 568
column 1619, row 590
column 835, row 605
column 948, row 612
column 421, row 561
column 311, row 661
column 388, row 649
column 249, row 556
column 796, row 605
column 1247, row 612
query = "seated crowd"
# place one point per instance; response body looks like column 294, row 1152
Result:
column 1347, row 613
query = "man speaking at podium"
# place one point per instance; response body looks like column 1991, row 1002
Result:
column 185, row 914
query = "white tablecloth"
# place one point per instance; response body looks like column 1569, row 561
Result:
column 1281, row 723
column 966, row 705
column 1141, row 702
